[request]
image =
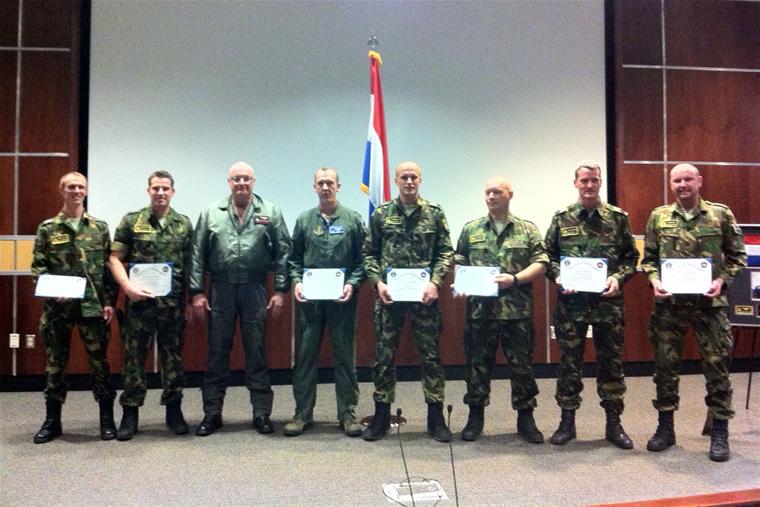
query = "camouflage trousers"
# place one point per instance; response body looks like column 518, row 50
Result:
column 481, row 341
column 142, row 321
column 426, row 325
column 608, row 341
column 56, row 324
column 713, row 332
column 340, row 319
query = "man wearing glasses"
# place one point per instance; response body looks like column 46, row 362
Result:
column 238, row 240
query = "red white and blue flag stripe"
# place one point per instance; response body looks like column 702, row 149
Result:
column 375, row 182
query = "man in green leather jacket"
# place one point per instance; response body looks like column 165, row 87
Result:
column 237, row 241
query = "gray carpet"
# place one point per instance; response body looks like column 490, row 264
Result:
column 237, row 466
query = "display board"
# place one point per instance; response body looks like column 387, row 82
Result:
column 744, row 292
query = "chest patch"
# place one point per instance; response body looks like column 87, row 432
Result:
column 478, row 237
column 569, row 231
column 59, row 239
column 393, row 220
column 143, row 228
column 336, row 229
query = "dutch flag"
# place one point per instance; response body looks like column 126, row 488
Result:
column 375, row 182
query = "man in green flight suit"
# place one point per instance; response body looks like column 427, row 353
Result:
column 238, row 240
column 692, row 228
column 591, row 228
column 328, row 236
column 156, row 234
column 407, row 232
column 74, row 243
column 513, row 245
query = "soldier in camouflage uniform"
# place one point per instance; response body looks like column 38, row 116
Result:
column 408, row 232
column 591, row 228
column 328, row 236
column 502, row 240
column 155, row 234
column 238, row 240
column 74, row 243
column 692, row 228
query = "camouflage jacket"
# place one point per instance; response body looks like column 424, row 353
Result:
column 712, row 233
column 518, row 246
column 237, row 252
column 603, row 233
column 395, row 240
column 84, row 252
column 334, row 244
column 141, row 239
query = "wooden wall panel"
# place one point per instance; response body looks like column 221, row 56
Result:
column 736, row 187
column 50, row 23
column 6, row 198
column 8, row 22
column 47, row 106
column 713, row 116
column 7, row 100
column 638, row 301
column 710, row 33
column 6, row 323
column 30, row 361
column 38, row 191
column 639, row 119
column 639, row 190
column 639, row 27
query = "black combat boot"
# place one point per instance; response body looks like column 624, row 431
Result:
column 526, row 426
column 51, row 428
column 474, row 426
column 129, row 420
column 381, row 422
column 614, row 431
column 436, row 425
column 665, row 435
column 175, row 421
column 719, row 450
column 566, row 429
column 107, row 426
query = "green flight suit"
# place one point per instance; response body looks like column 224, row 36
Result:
column 712, row 234
column 321, row 243
column 419, row 240
column 60, row 249
column 506, row 318
column 604, row 232
column 141, row 238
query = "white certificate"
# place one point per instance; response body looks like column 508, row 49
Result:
column 686, row 276
column 323, row 283
column 583, row 274
column 157, row 278
column 407, row 284
column 476, row 280
column 59, row 286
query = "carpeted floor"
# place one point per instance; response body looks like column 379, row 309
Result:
column 237, row 466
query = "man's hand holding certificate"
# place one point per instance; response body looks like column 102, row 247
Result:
column 686, row 276
column 155, row 278
column 323, row 284
column 476, row 281
column 583, row 274
column 407, row 284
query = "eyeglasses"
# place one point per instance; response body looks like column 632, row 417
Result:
column 241, row 179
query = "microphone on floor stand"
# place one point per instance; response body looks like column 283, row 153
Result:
column 449, row 408
column 403, row 457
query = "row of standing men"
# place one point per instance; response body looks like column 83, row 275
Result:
column 239, row 239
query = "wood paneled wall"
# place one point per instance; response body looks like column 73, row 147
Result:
column 687, row 89
column 686, row 82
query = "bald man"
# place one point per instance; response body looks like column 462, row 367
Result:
column 238, row 240
column 502, row 240
column 692, row 228
column 407, row 232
